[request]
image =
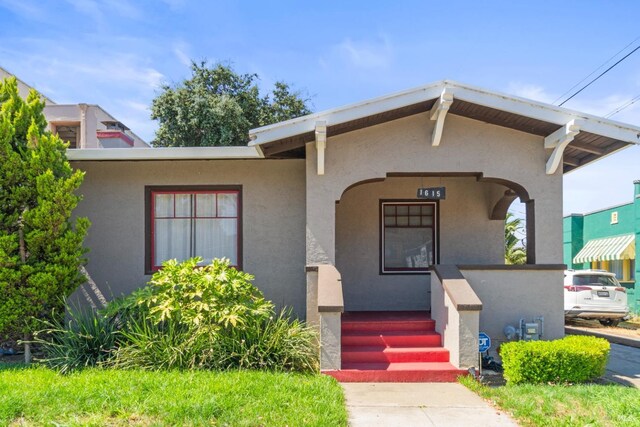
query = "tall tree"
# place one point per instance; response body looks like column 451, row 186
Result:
column 40, row 248
column 217, row 107
column 514, row 251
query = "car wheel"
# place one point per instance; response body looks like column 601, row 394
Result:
column 609, row 322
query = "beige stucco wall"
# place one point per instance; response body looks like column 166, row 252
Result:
column 273, row 219
column 404, row 146
column 466, row 235
column 508, row 296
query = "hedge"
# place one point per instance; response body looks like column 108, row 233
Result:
column 573, row 359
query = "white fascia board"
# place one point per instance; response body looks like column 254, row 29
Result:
column 174, row 153
column 344, row 114
column 508, row 103
column 546, row 112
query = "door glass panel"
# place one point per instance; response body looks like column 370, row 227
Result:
column 408, row 248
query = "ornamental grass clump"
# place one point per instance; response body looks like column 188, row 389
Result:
column 573, row 359
column 83, row 339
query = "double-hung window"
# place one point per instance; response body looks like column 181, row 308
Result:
column 408, row 236
column 193, row 221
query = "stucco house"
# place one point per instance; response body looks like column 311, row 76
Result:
column 381, row 222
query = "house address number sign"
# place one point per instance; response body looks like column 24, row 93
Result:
column 433, row 193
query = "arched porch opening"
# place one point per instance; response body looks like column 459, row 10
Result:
column 464, row 228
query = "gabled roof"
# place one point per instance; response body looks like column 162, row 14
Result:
column 590, row 137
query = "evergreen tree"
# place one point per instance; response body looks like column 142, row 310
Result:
column 40, row 248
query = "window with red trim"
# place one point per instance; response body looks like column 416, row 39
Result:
column 188, row 223
column 408, row 236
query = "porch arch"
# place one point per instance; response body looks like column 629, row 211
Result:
column 501, row 205
column 463, row 234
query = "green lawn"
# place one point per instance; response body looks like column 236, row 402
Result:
column 557, row 405
column 95, row 397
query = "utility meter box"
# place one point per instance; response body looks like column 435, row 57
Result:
column 531, row 331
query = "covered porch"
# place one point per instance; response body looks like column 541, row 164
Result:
column 373, row 245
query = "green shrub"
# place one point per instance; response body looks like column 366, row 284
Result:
column 213, row 295
column 161, row 346
column 211, row 317
column 572, row 359
column 276, row 344
column 86, row 338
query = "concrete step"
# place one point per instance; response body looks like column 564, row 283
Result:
column 394, row 354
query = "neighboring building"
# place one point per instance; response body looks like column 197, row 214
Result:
column 324, row 211
column 83, row 125
column 607, row 239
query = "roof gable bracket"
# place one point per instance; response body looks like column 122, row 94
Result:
column 321, row 144
column 558, row 141
column 438, row 113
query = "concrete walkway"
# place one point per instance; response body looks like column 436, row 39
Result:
column 624, row 365
column 419, row 404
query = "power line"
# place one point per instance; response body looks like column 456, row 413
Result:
column 596, row 70
column 623, row 106
column 600, row 75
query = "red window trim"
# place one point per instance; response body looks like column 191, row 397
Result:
column 435, row 235
column 150, row 191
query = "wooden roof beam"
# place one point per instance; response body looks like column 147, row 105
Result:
column 571, row 161
column 438, row 113
column 558, row 141
column 587, row 148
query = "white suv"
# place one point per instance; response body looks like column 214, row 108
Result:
column 594, row 294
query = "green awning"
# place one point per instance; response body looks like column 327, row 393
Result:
column 607, row 249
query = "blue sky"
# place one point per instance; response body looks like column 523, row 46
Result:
column 116, row 53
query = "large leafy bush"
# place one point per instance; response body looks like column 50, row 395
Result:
column 572, row 359
column 216, row 295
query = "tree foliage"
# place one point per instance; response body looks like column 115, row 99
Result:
column 514, row 251
column 218, row 107
column 40, row 249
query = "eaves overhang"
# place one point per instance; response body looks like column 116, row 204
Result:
column 598, row 136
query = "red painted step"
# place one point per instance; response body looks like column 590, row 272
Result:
column 397, row 372
column 387, row 321
column 392, row 338
column 393, row 354
column 393, row 347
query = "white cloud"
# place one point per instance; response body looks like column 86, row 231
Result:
column 175, row 4
column 530, row 91
column 124, row 8
column 365, row 53
column 25, row 8
column 181, row 51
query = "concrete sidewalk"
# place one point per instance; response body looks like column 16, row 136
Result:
column 419, row 404
column 624, row 365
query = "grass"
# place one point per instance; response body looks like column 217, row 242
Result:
column 37, row 396
column 564, row 405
